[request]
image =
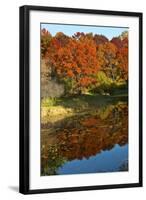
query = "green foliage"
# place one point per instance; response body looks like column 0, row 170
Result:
column 104, row 83
column 69, row 85
column 48, row 102
column 107, row 86
column 103, row 79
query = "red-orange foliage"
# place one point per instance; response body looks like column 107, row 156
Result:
column 80, row 57
column 117, row 42
column 123, row 61
column 91, row 136
column 76, row 60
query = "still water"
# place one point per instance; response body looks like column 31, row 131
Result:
column 92, row 142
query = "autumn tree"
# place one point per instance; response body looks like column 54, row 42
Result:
column 100, row 39
column 113, row 59
column 62, row 39
column 76, row 61
column 117, row 42
column 84, row 54
column 45, row 41
column 107, row 56
column 123, row 62
column 120, row 43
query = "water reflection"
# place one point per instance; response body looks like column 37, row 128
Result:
column 87, row 143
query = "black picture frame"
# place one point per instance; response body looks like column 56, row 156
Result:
column 24, row 98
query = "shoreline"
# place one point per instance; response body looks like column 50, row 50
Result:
column 80, row 105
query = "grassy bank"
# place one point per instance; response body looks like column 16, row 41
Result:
column 54, row 109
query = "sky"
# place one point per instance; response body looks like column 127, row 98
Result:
column 69, row 30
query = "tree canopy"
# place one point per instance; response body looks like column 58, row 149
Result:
column 77, row 60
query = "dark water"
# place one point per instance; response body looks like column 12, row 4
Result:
column 93, row 142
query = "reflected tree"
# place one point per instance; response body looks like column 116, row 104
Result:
column 82, row 137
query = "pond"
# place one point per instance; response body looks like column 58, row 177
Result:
column 94, row 141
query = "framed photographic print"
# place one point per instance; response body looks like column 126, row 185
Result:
column 80, row 99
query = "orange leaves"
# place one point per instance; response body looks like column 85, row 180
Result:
column 86, row 81
column 89, row 122
column 81, row 56
column 70, row 73
column 76, row 60
column 113, row 59
column 78, row 70
column 88, row 135
column 123, row 61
